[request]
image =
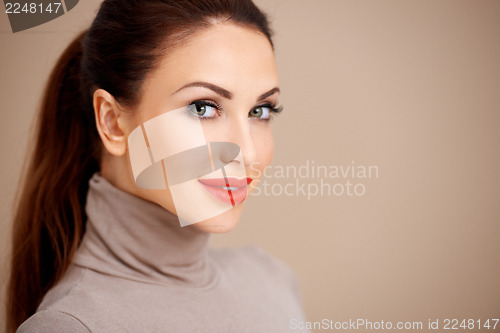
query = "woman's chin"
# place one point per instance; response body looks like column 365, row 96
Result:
column 222, row 223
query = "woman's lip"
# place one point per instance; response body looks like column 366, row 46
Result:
column 230, row 195
column 226, row 182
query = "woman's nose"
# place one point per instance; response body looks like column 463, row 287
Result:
column 240, row 133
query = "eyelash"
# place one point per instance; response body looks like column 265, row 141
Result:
column 203, row 102
column 275, row 109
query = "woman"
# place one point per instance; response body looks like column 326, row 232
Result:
column 100, row 244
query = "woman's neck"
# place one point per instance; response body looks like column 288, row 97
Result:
column 130, row 237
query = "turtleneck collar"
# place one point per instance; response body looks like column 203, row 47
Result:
column 133, row 238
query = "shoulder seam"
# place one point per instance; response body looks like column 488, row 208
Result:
column 77, row 319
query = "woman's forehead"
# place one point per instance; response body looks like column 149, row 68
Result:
column 225, row 54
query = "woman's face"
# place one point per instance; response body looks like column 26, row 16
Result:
column 227, row 73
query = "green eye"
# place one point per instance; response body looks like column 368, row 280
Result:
column 204, row 109
column 257, row 112
column 260, row 112
column 200, row 110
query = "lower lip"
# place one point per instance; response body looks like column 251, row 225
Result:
column 229, row 197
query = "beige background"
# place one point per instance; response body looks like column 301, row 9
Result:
column 412, row 87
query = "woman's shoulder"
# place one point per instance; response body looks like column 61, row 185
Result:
column 64, row 288
column 254, row 260
column 52, row 321
column 267, row 260
column 56, row 311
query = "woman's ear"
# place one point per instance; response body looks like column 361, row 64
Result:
column 107, row 116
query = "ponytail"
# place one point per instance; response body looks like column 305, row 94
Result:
column 49, row 218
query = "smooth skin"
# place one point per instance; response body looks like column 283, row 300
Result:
column 238, row 59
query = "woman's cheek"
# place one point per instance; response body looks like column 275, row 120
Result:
column 267, row 149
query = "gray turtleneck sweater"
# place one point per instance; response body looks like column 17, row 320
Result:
column 137, row 270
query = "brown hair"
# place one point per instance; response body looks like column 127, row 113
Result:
column 120, row 48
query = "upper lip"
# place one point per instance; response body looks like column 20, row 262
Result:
column 231, row 182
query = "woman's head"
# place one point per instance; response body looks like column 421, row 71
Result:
column 128, row 67
column 227, row 71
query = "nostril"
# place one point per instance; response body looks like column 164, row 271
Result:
column 225, row 152
column 227, row 156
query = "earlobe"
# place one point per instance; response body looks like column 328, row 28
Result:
column 107, row 115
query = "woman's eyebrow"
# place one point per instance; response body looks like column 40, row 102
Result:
column 221, row 91
column 269, row 93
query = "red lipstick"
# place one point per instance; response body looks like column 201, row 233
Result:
column 231, row 191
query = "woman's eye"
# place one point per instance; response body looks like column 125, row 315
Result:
column 204, row 109
column 260, row 112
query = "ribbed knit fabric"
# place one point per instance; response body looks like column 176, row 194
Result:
column 137, row 270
